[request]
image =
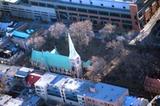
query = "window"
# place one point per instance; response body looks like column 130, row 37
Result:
column 34, row 3
column 62, row 7
column 115, row 14
column 82, row 10
column 140, row 14
column 93, row 17
column 117, row 20
column 101, row 4
column 103, row 13
column 71, row 8
column 104, row 18
column 125, row 16
column 124, row 7
column 70, row 0
column 135, row 17
column 113, row 6
column 126, row 21
column 83, row 15
column 73, row 14
column 4, row 3
column 91, row 2
column 50, row 5
column 92, row 11
column 80, row 1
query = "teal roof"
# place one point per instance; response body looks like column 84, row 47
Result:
column 50, row 59
column 87, row 64
column 20, row 34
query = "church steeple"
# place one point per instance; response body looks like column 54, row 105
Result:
column 74, row 57
column 72, row 51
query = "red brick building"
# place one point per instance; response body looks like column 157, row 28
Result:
column 152, row 85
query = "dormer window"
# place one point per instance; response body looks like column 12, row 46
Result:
column 91, row 2
column 80, row 1
column 101, row 4
column 113, row 6
column 124, row 7
column 70, row 0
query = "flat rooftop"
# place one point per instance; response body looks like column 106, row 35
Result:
column 14, row 102
column 4, row 99
column 107, row 92
column 10, row 1
column 45, row 79
column 100, row 0
column 101, row 91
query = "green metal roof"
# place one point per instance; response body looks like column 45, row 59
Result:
column 87, row 64
column 50, row 59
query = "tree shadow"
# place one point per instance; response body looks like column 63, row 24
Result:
column 131, row 70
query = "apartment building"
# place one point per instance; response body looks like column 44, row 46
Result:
column 79, row 92
column 54, row 88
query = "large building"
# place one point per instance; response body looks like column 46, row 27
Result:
column 78, row 92
column 23, row 9
column 54, row 88
column 127, row 14
column 55, row 62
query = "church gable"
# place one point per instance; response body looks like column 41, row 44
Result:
column 51, row 60
column 54, row 51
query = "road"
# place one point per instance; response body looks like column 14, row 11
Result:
column 147, row 28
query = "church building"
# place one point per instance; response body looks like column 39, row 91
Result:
column 53, row 61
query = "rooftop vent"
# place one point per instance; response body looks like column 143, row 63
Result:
column 92, row 89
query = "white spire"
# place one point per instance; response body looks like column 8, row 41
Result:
column 72, row 51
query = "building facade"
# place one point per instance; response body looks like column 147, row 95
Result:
column 127, row 14
column 21, row 9
column 53, row 88
column 78, row 92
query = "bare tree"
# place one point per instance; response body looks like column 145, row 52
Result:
column 81, row 32
column 36, row 42
column 98, row 63
column 2, row 84
column 96, row 69
column 57, row 30
column 107, row 30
